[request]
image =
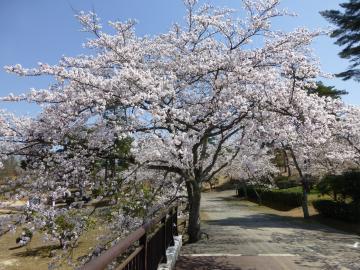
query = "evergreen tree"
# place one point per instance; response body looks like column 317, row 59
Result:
column 348, row 35
column 327, row 91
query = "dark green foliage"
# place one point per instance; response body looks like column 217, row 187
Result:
column 329, row 186
column 118, row 157
column 345, row 191
column 283, row 182
column 246, row 192
column 347, row 34
column 342, row 187
column 327, row 91
column 280, row 199
column 115, row 160
column 338, row 210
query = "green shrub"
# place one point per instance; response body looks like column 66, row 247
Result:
column 280, row 199
column 286, row 199
column 247, row 191
column 338, row 210
column 283, row 182
column 343, row 187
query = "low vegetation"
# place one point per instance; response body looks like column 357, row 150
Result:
column 338, row 210
column 282, row 199
column 344, row 191
column 335, row 196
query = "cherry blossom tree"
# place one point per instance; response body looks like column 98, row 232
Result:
column 347, row 132
column 191, row 102
column 305, row 132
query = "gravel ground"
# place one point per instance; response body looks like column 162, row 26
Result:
column 240, row 235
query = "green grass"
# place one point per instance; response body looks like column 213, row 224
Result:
column 297, row 189
column 293, row 189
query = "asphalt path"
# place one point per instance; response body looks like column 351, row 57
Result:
column 241, row 235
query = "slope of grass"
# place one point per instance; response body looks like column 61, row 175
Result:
column 38, row 253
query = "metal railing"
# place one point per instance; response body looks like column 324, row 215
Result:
column 149, row 242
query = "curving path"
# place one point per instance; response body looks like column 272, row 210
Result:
column 244, row 236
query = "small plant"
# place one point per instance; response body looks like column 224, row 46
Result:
column 25, row 237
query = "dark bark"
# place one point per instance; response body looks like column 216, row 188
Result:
column 245, row 190
column 305, row 201
column 211, row 185
column 305, row 186
column 258, row 196
column 287, row 164
column 194, row 197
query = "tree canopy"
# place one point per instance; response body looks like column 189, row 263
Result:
column 144, row 120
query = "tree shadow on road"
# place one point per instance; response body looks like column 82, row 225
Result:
column 317, row 219
column 315, row 243
column 267, row 220
column 204, row 263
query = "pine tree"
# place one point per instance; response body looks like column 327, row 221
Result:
column 348, row 35
column 327, row 91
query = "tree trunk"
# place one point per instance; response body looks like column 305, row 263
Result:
column 194, row 213
column 258, row 196
column 245, row 190
column 305, row 202
column 305, row 186
column 287, row 164
column 211, row 186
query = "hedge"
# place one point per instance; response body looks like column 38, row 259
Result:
column 338, row 210
column 283, row 182
column 281, row 199
column 342, row 187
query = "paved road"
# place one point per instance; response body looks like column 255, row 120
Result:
column 243, row 236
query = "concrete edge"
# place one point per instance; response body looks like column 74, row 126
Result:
column 172, row 254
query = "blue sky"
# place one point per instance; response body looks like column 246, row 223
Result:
column 42, row 31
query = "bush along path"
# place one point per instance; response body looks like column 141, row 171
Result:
column 241, row 235
column 282, row 199
column 344, row 191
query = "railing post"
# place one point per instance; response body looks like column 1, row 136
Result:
column 171, row 227
column 163, row 221
column 143, row 242
column 175, row 222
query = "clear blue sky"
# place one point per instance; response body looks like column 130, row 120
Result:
column 42, row 31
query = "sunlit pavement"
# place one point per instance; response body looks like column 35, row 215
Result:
column 240, row 236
